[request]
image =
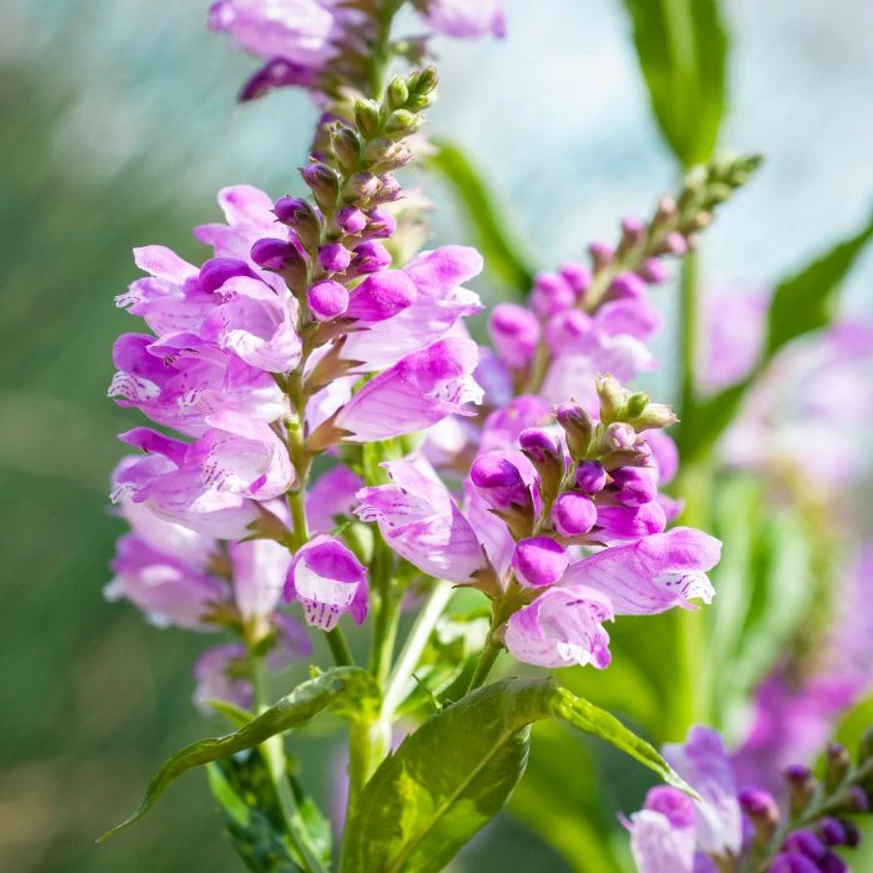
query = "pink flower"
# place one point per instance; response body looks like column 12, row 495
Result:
column 259, row 570
column 333, row 495
column 653, row 574
column 420, row 520
column 208, row 485
column 418, row 391
column 465, row 18
column 328, row 581
column 562, row 627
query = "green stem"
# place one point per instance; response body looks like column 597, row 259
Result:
column 689, row 340
column 415, row 644
column 339, row 648
column 487, row 660
column 273, row 753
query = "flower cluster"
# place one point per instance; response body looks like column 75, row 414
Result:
column 323, row 45
column 733, row 829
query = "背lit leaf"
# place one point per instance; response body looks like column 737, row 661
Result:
column 338, row 688
column 682, row 48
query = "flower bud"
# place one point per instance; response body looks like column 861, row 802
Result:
column 634, row 486
column 397, row 92
column 539, row 561
column 578, row 427
column 351, row 220
column 280, row 256
column 602, row 255
column 499, row 482
column 324, row 183
column 852, row 834
column 384, row 155
column 574, row 514
column 613, row 397
column 590, row 477
column 347, row 146
column 805, row 842
column 633, row 234
column 801, row 787
column 832, row 863
column 361, row 186
column 763, row 812
column 674, row 243
column 370, row 257
column 367, row 118
column 857, row 800
column 618, row 437
column 402, row 122
column 565, row 328
column 216, row 271
column 577, row 276
column 300, row 215
column 389, row 190
column 653, row 417
column 837, row 768
column 327, row 299
column 790, row 862
column 381, row 224
column 666, row 212
column 636, row 405
column 653, row 271
column 627, row 286
column 334, row 257
column 515, row 333
column 551, row 294
column 546, row 454
column 832, row 831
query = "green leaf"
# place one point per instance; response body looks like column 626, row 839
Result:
column 503, row 245
column 807, row 301
column 456, row 772
column 682, row 47
column 345, row 689
column 455, row 640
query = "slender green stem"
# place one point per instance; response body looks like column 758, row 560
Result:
column 339, row 648
column 689, row 340
column 439, row 596
column 273, row 753
column 487, row 660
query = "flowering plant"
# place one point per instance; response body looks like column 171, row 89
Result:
column 344, row 452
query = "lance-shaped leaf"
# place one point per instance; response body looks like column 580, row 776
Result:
column 456, row 772
column 345, row 689
column 500, row 239
column 682, row 48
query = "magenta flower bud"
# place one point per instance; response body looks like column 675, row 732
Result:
column 853, row 835
column 327, row 299
column 328, row 581
column 216, row 271
column 653, row 271
column 539, row 445
column 574, row 514
column 334, row 257
column 382, row 295
column 389, row 189
column 601, row 253
column 381, row 225
column 362, row 186
column 289, row 209
column 759, row 806
column 832, row 831
column 633, row 229
column 515, row 333
column 673, row 804
column 577, row 276
column 590, row 477
column 805, row 842
column 274, row 254
column 793, row 863
column 634, row 486
column 539, row 561
column 832, row 863
column 304, row 218
column 627, row 286
column 551, row 294
column 324, row 182
column 565, row 329
column 675, row 243
column 631, row 522
column 370, row 257
column 499, row 481
column 620, row 437
column 858, row 801
column 351, row 220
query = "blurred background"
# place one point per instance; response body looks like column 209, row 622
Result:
column 117, row 125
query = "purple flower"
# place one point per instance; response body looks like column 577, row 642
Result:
column 208, row 485
column 515, row 333
column 562, row 627
column 328, row 581
column 381, row 296
column 327, row 299
column 504, row 480
column 663, row 833
column 630, row 522
column 465, row 18
column 420, row 520
column 259, row 570
column 300, row 31
column 332, row 496
column 653, row 574
column 539, row 561
column 574, row 514
column 791, row 862
column 418, row 391
column 437, row 307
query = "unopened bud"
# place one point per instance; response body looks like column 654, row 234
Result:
column 574, row 514
column 334, row 257
column 370, row 257
column 590, row 477
column 653, row 271
column 351, row 220
column 300, row 215
column 384, row 155
column 327, row 300
column 832, row 831
column 613, row 398
column 347, row 147
column 402, row 122
column 546, row 454
column 654, row 417
column 633, row 233
column 636, row 405
column 837, row 767
column 674, row 244
column 381, row 224
column 397, row 93
column 857, row 800
column 389, row 190
column 618, row 437
column 627, row 286
column 801, row 787
column 324, row 183
column 577, row 276
column 762, row 810
column 367, row 118
column 361, row 186
column 666, row 212
column 717, row 193
column 578, row 427
column 280, row 256
column 602, row 255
